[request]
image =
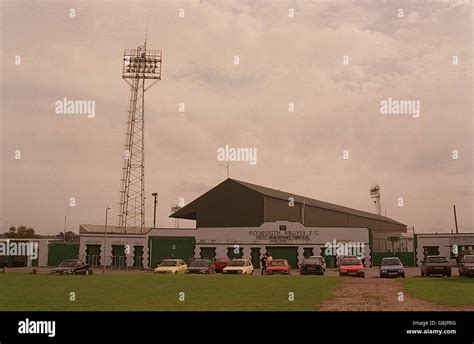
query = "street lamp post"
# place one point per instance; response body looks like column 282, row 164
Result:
column 105, row 240
column 154, row 194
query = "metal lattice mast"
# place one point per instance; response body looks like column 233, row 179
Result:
column 139, row 65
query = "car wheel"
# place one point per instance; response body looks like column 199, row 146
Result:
column 363, row 276
column 403, row 276
column 448, row 274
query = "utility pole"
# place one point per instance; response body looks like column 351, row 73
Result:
column 155, row 195
column 455, row 218
column 227, row 168
column 64, row 230
column 105, row 240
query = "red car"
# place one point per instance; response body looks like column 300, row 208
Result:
column 221, row 263
column 351, row 267
column 279, row 266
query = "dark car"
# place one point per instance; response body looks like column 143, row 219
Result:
column 311, row 266
column 71, row 267
column 201, row 266
column 221, row 263
column 391, row 267
column 436, row 265
column 466, row 266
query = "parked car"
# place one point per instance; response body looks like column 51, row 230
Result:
column 323, row 261
column 461, row 255
column 351, row 267
column 239, row 266
column 221, row 263
column 279, row 267
column 311, row 266
column 391, row 267
column 340, row 258
column 201, row 266
column 171, row 266
column 71, row 267
column 436, row 265
column 466, row 266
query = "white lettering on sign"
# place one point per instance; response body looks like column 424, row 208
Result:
column 286, row 236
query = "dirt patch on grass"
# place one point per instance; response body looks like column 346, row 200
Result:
column 378, row 294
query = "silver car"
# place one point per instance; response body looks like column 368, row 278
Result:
column 392, row 267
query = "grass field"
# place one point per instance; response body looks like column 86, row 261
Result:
column 448, row 291
column 148, row 292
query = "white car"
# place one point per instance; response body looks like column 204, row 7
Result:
column 239, row 266
column 323, row 261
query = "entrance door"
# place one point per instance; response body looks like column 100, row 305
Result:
column 171, row 248
column 232, row 255
column 255, row 256
column 288, row 253
column 119, row 259
column 308, row 252
column 208, row 252
column 138, row 257
column 93, row 255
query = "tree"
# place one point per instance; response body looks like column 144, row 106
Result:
column 20, row 232
column 69, row 236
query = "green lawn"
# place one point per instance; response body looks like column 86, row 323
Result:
column 149, row 292
column 453, row 291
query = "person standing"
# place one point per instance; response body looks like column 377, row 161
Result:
column 263, row 263
column 269, row 258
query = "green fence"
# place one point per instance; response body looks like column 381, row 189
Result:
column 59, row 252
column 407, row 258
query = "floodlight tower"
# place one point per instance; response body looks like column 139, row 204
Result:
column 139, row 65
column 375, row 194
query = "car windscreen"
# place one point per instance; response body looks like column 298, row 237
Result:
column 437, row 260
column 168, row 263
column 350, row 262
column 388, row 262
column 278, row 262
column 68, row 264
column 236, row 263
column 469, row 259
column 312, row 261
column 200, row 263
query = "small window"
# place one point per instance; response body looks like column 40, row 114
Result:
column 283, row 227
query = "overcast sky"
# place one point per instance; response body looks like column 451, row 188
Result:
column 282, row 60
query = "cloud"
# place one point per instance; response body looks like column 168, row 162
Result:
column 282, row 60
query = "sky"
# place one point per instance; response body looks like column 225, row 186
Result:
column 332, row 63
